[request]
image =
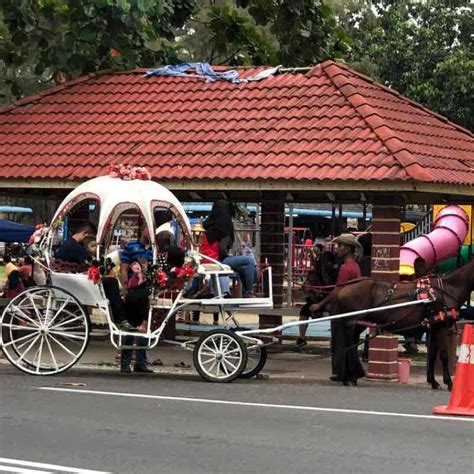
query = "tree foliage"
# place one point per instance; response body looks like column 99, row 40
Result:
column 57, row 39
column 422, row 49
column 287, row 32
column 51, row 40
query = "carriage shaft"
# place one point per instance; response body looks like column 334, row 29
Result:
column 351, row 314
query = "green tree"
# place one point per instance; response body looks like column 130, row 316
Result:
column 242, row 32
column 57, row 39
column 422, row 49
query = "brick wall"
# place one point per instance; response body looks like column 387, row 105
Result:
column 386, row 242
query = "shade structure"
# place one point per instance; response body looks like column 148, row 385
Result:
column 14, row 232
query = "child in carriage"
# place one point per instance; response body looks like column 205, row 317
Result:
column 90, row 244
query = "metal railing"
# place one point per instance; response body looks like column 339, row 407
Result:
column 423, row 227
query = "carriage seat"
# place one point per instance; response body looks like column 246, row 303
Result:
column 79, row 285
column 60, row 266
column 73, row 278
column 214, row 267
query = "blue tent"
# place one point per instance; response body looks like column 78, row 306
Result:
column 13, row 232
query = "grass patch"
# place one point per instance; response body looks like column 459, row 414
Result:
column 419, row 358
column 2, row 272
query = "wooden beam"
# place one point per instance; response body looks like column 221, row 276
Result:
column 302, row 190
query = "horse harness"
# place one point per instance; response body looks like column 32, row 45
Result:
column 425, row 289
column 431, row 288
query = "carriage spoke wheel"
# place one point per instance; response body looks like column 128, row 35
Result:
column 220, row 356
column 44, row 330
column 256, row 359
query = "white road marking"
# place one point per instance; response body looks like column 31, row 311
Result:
column 12, row 469
column 14, row 463
column 259, row 405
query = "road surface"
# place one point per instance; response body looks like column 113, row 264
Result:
column 155, row 424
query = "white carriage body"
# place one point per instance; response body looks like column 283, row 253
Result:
column 54, row 317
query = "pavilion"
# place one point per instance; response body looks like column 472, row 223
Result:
column 324, row 134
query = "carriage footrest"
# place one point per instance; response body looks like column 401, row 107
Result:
column 134, row 347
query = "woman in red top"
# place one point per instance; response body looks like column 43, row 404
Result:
column 216, row 243
column 210, row 250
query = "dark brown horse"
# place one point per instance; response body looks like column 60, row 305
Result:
column 451, row 292
column 319, row 281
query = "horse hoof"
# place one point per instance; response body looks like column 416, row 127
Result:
column 436, row 386
column 450, row 387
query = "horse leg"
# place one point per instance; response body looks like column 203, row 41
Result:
column 305, row 314
column 365, row 352
column 338, row 347
column 432, row 353
column 442, row 342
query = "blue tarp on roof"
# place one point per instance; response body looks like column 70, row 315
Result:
column 13, row 232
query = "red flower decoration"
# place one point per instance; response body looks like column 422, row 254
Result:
column 93, row 274
column 161, row 278
column 188, row 270
column 127, row 172
column 180, row 272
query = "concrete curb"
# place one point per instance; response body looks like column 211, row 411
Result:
column 108, row 370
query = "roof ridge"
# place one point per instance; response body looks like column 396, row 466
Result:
column 395, row 93
column 378, row 126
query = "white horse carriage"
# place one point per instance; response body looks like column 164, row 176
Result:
column 46, row 329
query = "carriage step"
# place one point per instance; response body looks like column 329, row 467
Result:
column 239, row 328
column 134, row 347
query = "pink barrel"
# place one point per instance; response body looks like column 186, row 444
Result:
column 403, row 370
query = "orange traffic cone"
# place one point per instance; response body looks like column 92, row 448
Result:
column 462, row 397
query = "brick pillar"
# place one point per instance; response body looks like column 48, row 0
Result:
column 272, row 245
column 383, row 357
column 386, row 242
column 383, row 350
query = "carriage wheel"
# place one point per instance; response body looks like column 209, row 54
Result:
column 220, row 356
column 44, row 330
column 256, row 360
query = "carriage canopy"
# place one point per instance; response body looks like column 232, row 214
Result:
column 116, row 195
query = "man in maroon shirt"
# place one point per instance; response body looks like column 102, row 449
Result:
column 350, row 270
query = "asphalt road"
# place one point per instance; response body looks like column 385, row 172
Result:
column 189, row 426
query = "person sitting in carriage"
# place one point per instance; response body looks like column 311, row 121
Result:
column 73, row 249
column 90, row 244
column 216, row 243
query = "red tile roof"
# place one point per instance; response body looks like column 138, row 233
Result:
column 330, row 123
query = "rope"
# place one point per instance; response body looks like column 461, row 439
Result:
column 324, row 287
